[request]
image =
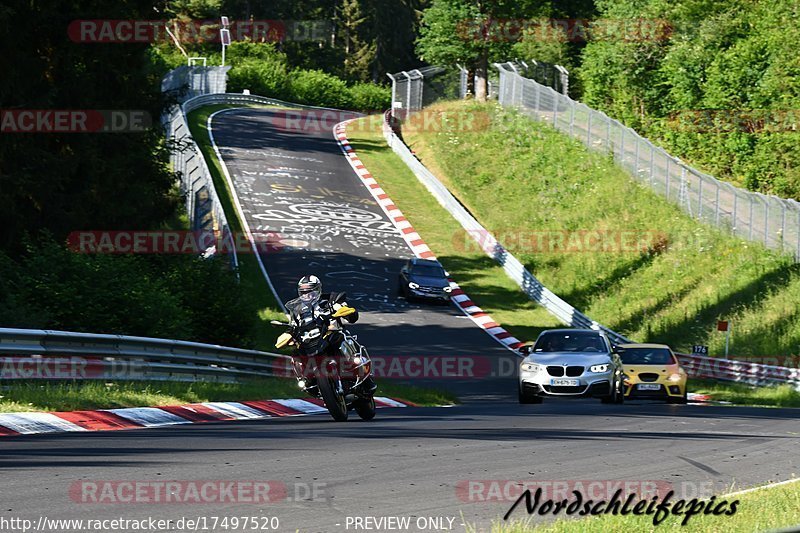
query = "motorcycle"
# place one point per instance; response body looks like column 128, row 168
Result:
column 329, row 363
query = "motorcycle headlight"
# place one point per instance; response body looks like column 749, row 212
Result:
column 675, row 377
column 413, row 285
column 599, row 368
column 448, row 289
column 530, row 367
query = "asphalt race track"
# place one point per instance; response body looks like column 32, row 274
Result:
column 297, row 186
column 407, row 462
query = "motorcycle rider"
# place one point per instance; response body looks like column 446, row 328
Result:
column 311, row 303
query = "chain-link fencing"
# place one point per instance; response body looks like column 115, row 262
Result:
column 772, row 221
column 202, row 203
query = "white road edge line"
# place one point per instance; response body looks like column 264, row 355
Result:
column 235, row 198
column 373, row 193
column 761, row 487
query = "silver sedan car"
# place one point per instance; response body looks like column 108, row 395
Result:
column 571, row 362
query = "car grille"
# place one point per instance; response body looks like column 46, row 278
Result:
column 564, row 389
column 430, row 290
column 648, row 377
column 556, row 371
column 571, row 371
column 574, row 371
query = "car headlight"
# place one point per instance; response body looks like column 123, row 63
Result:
column 675, row 377
column 413, row 285
column 530, row 367
column 447, row 289
column 599, row 368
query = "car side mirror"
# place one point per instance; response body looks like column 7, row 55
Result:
column 525, row 349
column 446, row 274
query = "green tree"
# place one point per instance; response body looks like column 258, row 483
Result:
column 71, row 181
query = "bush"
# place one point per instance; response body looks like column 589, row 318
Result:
column 314, row 87
column 181, row 297
column 370, row 97
column 264, row 77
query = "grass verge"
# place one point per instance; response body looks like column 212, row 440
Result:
column 742, row 394
column 79, row 395
column 477, row 274
column 761, row 510
column 657, row 276
column 488, row 284
column 249, row 270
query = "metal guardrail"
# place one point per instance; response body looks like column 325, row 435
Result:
column 203, row 206
column 700, row 366
column 697, row 366
column 513, row 267
column 202, row 201
column 768, row 219
column 47, row 354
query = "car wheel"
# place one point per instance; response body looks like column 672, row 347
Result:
column 529, row 399
column 620, row 395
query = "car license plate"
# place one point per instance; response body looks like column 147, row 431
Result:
column 648, row 386
column 564, row 382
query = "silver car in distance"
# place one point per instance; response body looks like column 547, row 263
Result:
column 571, row 362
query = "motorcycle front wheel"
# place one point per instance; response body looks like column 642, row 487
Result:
column 334, row 401
column 365, row 407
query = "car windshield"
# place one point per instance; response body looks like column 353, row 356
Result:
column 428, row 271
column 646, row 356
column 570, row 342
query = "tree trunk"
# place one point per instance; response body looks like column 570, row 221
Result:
column 480, row 75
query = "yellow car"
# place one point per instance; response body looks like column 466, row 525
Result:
column 652, row 372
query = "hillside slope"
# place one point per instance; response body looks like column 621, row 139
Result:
column 532, row 186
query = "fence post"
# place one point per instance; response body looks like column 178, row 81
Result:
column 669, row 176
column 555, row 110
column 571, row 118
column 394, row 93
column 783, row 226
column 700, row 199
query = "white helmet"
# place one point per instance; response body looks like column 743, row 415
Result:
column 309, row 289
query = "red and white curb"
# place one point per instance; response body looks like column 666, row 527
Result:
column 170, row 415
column 417, row 243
